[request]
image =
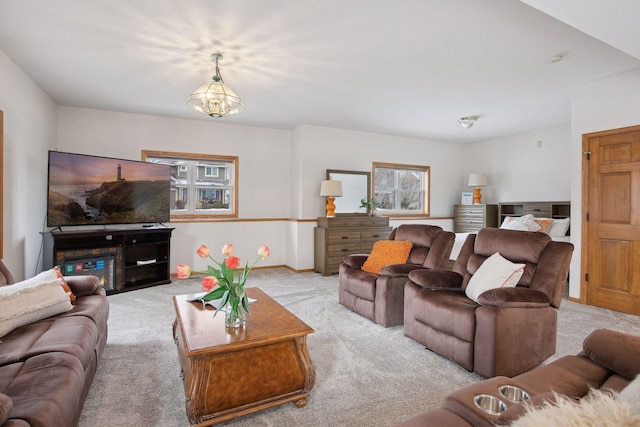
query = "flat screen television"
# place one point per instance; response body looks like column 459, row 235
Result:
column 93, row 190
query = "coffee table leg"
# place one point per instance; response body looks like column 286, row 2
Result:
column 302, row 402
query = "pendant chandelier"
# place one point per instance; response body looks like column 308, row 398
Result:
column 215, row 98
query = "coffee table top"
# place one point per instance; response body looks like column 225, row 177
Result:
column 267, row 322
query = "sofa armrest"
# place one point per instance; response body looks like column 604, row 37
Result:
column 399, row 270
column 624, row 360
column 6, row 406
column 84, row 285
column 436, row 279
column 513, row 297
column 355, row 260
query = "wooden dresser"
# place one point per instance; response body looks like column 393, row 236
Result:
column 470, row 218
column 335, row 238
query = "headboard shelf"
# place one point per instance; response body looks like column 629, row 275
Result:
column 537, row 209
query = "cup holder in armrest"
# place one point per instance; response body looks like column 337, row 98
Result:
column 489, row 404
column 513, row 393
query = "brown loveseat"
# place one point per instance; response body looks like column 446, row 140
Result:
column 46, row 367
column 509, row 330
column 609, row 361
column 380, row 297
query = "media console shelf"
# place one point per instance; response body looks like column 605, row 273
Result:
column 124, row 259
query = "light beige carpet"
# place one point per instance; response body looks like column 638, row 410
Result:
column 366, row 375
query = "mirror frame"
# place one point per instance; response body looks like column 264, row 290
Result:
column 350, row 172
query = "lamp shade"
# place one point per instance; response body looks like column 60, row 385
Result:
column 331, row 188
column 477, row 180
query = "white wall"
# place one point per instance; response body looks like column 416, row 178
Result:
column 29, row 131
column 609, row 103
column 518, row 170
column 263, row 186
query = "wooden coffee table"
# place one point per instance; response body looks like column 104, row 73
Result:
column 230, row 372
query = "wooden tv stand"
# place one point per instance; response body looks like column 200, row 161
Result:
column 133, row 258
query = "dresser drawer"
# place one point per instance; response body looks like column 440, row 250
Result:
column 337, row 236
column 374, row 221
column 375, row 234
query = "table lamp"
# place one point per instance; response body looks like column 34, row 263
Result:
column 331, row 189
column 477, row 180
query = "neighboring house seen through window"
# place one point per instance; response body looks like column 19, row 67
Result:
column 401, row 189
column 202, row 185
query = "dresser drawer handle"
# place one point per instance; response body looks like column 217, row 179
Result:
column 344, row 237
column 345, row 250
column 376, row 235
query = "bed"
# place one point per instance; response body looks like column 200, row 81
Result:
column 545, row 217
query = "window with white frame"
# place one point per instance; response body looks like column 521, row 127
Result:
column 401, row 189
column 202, row 185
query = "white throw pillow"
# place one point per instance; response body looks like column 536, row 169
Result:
column 495, row 272
column 31, row 300
column 559, row 227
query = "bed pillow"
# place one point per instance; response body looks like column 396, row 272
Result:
column 494, row 272
column 387, row 252
column 545, row 224
column 559, row 227
column 31, row 300
column 522, row 223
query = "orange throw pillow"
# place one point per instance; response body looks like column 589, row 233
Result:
column 387, row 252
column 65, row 286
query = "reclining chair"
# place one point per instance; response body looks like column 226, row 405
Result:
column 509, row 330
column 380, row 297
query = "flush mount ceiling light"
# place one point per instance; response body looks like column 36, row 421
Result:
column 215, row 98
column 555, row 59
column 468, row 121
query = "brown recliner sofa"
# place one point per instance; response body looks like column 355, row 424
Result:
column 509, row 330
column 381, row 297
column 47, row 367
column 609, row 361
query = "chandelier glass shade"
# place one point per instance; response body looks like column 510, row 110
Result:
column 215, row 98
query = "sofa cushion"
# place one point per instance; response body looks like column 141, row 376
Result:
column 387, row 252
column 48, row 390
column 6, row 405
column 624, row 361
column 31, row 300
column 495, row 272
column 516, row 246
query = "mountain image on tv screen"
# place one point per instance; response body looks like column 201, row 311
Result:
column 87, row 190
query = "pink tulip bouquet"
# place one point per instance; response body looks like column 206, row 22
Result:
column 226, row 282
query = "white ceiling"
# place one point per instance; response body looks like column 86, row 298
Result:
column 405, row 67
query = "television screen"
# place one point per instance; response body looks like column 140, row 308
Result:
column 91, row 190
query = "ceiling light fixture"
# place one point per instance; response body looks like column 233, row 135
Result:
column 215, row 98
column 555, row 59
column 468, row 121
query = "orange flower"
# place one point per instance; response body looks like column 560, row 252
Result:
column 208, row 283
column 232, row 262
column 264, row 252
column 227, row 250
column 183, row 271
column 203, row 251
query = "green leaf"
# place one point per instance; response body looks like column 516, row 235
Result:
column 214, row 294
column 245, row 304
column 223, row 302
column 214, row 272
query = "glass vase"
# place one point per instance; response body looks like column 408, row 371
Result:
column 234, row 316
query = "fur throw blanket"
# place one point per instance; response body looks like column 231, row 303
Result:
column 596, row 409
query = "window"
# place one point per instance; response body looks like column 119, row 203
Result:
column 202, row 186
column 401, row 189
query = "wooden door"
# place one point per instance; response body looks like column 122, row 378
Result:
column 611, row 225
